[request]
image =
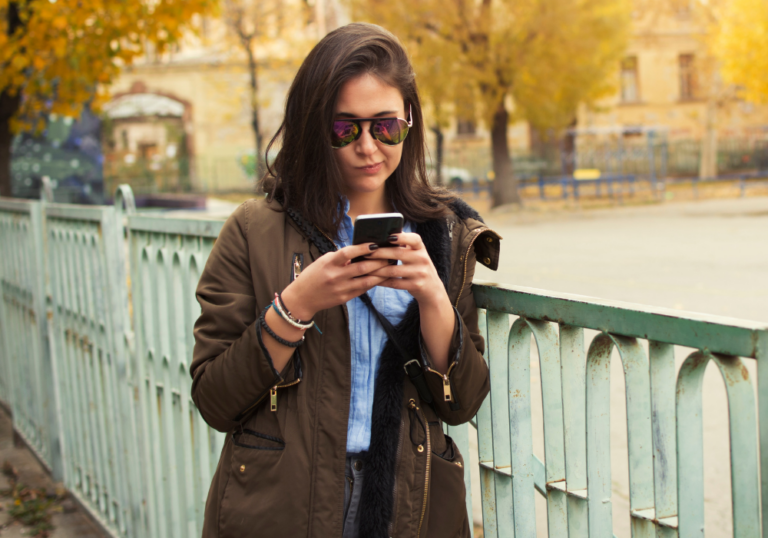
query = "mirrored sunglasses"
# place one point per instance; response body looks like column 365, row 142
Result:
column 388, row 131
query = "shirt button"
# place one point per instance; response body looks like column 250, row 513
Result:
column 358, row 465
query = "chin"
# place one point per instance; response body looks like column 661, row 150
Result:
column 368, row 184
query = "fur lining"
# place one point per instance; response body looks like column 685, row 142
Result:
column 464, row 211
column 378, row 487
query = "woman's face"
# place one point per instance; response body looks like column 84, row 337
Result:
column 366, row 163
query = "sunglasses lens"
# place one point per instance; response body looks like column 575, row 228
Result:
column 390, row 131
column 344, row 132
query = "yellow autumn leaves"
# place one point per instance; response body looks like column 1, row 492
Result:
column 741, row 46
column 60, row 51
column 547, row 56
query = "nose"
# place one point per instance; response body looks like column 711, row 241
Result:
column 366, row 144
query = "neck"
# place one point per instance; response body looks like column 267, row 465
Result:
column 367, row 203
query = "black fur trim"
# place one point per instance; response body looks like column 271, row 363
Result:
column 464, row 211
column 378, row 486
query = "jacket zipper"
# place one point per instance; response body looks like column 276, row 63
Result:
column 394, row 485
column 426, row 474
column 273, row 394
column 466, row 257
column 447, row 388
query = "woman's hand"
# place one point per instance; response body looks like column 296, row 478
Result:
column 418, row 275
column 332, row 280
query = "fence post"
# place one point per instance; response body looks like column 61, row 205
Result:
column 761, row 356
column 46, row 338
column 651, row 160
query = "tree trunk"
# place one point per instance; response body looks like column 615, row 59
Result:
column 8, row 107
column 261, row 165
column 568, row 149
column 439, row 151
column 504, row 184
column 708, row 160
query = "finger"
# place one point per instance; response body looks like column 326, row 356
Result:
column 395, row 283
column 406, row 255
column 365, row 283
column 356, row 270
column 353, row 251
column 410, row 240
column 387, row 253
column 392, row 271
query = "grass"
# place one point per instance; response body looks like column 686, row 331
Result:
column 31, row 506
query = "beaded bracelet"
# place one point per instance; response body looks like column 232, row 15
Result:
column 270, row 332
column 276, row 304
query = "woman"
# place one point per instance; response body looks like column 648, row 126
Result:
column 338, row 431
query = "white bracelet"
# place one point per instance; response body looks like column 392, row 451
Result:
column 279, row 309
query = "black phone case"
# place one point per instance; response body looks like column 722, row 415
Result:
column 376, row 231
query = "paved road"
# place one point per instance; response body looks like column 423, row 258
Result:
column 709, row 256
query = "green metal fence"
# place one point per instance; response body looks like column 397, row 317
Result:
column 95, row 340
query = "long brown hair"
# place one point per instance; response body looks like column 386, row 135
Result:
column 305, row 174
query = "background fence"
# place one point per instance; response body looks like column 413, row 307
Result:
column 95, row 327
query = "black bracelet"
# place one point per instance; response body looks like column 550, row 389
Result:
column 270, row 332
column 288, row 312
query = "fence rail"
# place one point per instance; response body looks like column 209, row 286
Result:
column 95, row 338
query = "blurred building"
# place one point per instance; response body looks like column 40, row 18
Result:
column 666, row 82
column 668, row 97
column 182, row 120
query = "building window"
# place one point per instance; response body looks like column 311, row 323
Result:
column 630, row 92
column 687, row 77
column 465, row 127
column 682, row 8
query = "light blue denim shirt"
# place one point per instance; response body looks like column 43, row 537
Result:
column 367, row 339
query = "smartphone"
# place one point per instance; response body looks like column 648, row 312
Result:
column 376, row 228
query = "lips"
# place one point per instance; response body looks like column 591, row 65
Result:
column 371, row 169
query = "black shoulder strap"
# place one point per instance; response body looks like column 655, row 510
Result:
column 412, row 366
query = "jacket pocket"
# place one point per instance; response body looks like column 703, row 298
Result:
column 447, row 503
column 258, row 441
column 254, row 476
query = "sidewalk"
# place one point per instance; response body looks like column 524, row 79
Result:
column 67, row 519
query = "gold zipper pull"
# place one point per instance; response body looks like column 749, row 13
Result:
column 447, row 389
column 273, row 398
column 296, row 266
